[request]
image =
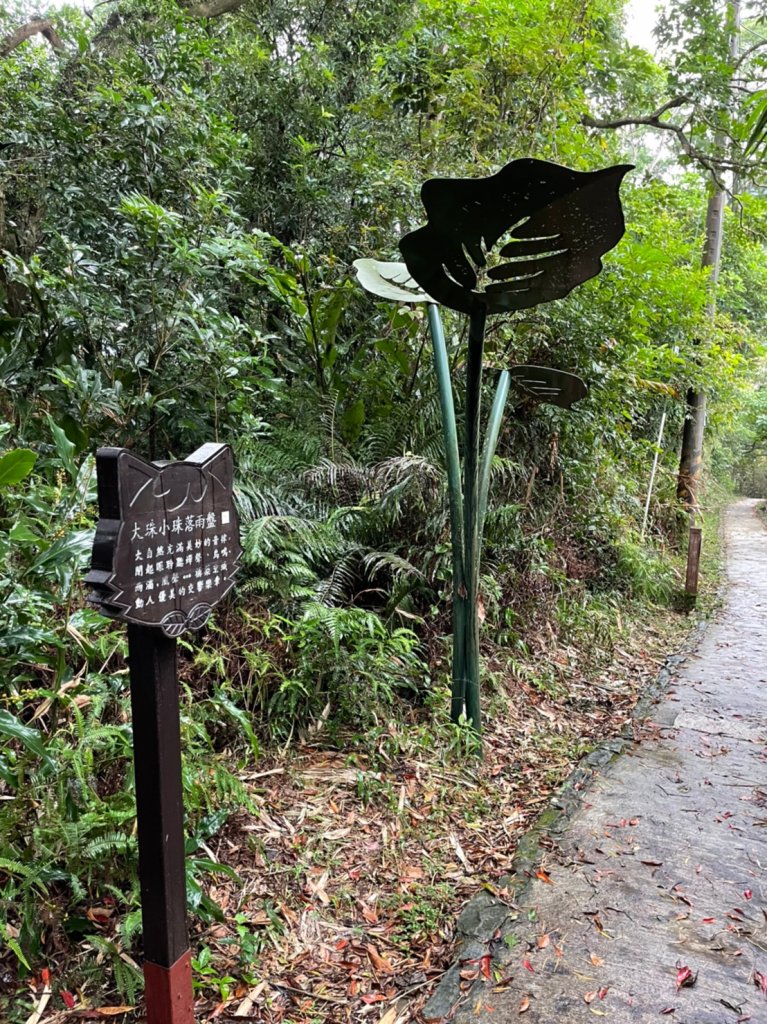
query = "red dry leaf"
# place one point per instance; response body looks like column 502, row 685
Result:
column 373, row 997
column 589, row 997
column 524, row 1005
column 603, row 991
column 99, row 915
column 69, row 999
column 748, row 894
column 544, row 876
column 760, row 980
column 45, row 974
column 528, row 966
column 685, row 977
column 709, row 920
column 484, row 965
column 543, row 941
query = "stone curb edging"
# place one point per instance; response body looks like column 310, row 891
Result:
column 485, row 914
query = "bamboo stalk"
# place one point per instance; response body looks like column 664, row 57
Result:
column 471, row 511
column 651, row 485
column 453, row 466
column 491, row 443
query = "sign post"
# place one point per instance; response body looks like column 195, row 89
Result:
column 165, row 553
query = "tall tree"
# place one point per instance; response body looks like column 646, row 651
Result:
column 691, row 458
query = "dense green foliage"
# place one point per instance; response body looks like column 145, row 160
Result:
column 180, row 202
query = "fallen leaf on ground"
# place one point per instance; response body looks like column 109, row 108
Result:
column 685, row 977
column 380, row 963
column 528, row 966
column 544, row 876
column 524, row 1006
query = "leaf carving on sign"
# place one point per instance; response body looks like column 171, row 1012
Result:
column 553, row 224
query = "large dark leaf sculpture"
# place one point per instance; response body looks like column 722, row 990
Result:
column 555, row 224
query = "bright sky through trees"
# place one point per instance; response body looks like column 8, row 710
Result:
column 640, row 21
column 641, row 17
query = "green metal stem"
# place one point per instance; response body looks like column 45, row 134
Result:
column 491, row 443
column 453, row 465
column 471, row 510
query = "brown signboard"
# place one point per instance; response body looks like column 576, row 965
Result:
column 167, row 542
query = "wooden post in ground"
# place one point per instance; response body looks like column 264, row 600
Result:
column 693, row 563
column 160, row 812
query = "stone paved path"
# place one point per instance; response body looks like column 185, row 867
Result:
column 663, row 866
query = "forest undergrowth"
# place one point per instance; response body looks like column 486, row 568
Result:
column 326, row 866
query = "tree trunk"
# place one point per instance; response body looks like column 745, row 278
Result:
column 691, row 459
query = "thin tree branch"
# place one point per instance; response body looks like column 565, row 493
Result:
column 654, row 121
column 37, row 26
column 747, row 53
column 214, row 8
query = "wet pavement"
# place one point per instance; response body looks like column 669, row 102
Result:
column 652, row 905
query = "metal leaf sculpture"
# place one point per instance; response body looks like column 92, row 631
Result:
column 389, row 281
column 528, row 234
column 555, row 224
column 545, row 384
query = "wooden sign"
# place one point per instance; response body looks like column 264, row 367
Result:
column 167, row 542
column 165, row 553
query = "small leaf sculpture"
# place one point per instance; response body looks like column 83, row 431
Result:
column 389, row 281
column 556, row 223
column 545, row 384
